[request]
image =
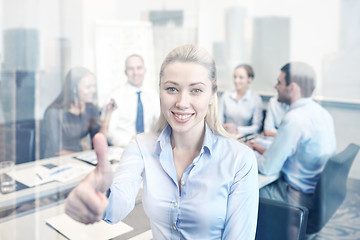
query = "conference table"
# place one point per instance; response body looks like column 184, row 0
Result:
column 26, row 213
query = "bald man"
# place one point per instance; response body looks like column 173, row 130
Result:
column 138, row 108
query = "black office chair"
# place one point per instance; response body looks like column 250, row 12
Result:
column 17, row 144
column 330, row 190
column 25, row 145
column 280, row 220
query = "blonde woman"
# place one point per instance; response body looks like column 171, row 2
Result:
column 197, row 182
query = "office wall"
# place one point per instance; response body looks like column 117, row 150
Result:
column 340, row 68
column 329, row 40
column 346, row 120
column 75, row 20
column 270, row 50
column 43, row 17
column 2, row 118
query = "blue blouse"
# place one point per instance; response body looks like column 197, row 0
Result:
column 219, row 190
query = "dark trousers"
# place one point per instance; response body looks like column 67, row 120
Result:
column 281, row 190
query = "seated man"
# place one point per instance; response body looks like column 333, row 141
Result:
column 304, row 141
column 138, row 107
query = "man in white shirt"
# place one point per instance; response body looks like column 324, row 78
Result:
column 303, row 143
column 125, row 120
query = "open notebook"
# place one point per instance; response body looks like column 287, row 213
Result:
column 114, row 155
column 97, row 231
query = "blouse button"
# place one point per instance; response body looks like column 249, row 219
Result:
column 174, row 227
column 183, row 183
column 175, row 204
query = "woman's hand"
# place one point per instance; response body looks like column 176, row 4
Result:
column 111, row 106
column 231, row 128
column 256, row 147
column 87, row 202
column 268, row 133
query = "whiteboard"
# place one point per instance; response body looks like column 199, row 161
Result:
column 114, row 41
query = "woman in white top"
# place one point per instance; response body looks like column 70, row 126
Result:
column 275, row 112
column 240, row 110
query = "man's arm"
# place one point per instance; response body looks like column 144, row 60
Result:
column 271, row 160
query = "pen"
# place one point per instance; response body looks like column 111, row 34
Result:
column 60, row 170
column 39, row 176
column 251, row 138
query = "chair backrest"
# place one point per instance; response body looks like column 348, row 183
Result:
column 280, row 220
column 330, row 190
column 17, row 144
column 25, row 145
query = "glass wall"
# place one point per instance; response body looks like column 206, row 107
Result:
column 41, row 40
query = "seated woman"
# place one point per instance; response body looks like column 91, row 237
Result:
column 73, row 115
column 240, row 110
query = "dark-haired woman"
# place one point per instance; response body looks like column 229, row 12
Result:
column 240, row 110
column 73, row 115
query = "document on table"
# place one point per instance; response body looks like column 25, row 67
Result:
column 30, row 176
column 40, row 174
column 265, row 141
column 66, row 172
column 114, row 155
column 97, row 231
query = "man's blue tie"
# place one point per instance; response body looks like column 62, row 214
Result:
column 139, row 115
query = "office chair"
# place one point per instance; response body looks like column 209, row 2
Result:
column 330, row 190
column 280, row 220
column 17, row 144
column 25, row 145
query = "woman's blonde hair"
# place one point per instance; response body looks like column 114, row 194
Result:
column 195, row 54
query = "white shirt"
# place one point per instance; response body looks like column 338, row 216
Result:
column 122, row 126
column 274, row 114
column 219, row 190
column 246, row 113
column 304, row 142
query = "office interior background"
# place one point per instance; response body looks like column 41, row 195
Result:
column 42, row 39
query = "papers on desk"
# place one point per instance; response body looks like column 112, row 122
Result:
column 30, row 176
column 114, row 155
column 65, row 172
column 39, row 174
column 265, row 141
column 97, row 231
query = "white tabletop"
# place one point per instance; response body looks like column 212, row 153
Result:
column 47, row 189
column 24, row 195
column 31, row 224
